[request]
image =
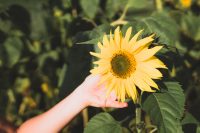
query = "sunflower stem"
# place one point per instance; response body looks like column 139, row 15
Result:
column 85, row 116
column 121, row 19
column 138, row 116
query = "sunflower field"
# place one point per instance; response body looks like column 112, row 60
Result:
column 147, row 51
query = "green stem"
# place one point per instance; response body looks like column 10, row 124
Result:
column 85, row 116
column 138, row 117
column 121, row 19
column 124, row 11
column 91, row 21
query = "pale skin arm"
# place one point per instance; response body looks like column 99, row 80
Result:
column 87, row 94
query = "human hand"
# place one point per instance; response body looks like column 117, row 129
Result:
column 94, row 95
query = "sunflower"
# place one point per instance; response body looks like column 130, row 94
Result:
column 186, row 3
column 126, row 63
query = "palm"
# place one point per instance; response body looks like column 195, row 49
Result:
column 96, row 95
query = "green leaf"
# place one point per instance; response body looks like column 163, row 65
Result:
column 195, row 54
column 125, row 130
column 166, row 108
column 21, row 84
column 93, row 36
column 53, row 54
column 191, row 26
column 103, row 123
column 13, row 48
column 62, row 75
column 161, row 24
column 5, row 26
column 198, row 129
column 114, row 6
column 189, row 119
column 93, row 41
column 90, row 7
column 175, row 90
column 38, row 15
column 139, row 3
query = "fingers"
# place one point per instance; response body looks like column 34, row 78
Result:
column 111, row 101
column 116, row 104
column 98, row 94
column 112, row 96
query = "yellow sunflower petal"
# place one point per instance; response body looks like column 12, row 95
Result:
column 118, row 92
column 128, row 87
column 117, row 37
column 155, row 62
column 105, row 55
column 110, row 87
column 100, row 70
column 105, row 78
column 100, row 45
column 101, row 62
column 126, row 63
column 146, row 79
column 105, row 41
column 134, row 38
column 128, row 34
column 113, row 47
column 142, row 43
column 147, row 53
column 111, row 35
column 150, row 71
column 142, row 85
column 132, row 89
column 123, row 91
column 96, row 54
column 118, row 89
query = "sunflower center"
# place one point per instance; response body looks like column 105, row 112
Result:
column 123, row 64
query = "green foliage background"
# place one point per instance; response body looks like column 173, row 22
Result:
column 44, row 56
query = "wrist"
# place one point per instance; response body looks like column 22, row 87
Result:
column 81, row 97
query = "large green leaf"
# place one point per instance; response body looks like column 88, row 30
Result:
column 114, row 6
column 93, row 36
column 5, row 26
column 190, row 25
column 190, row 124
column 90, row 7
column 198, row 129
column 166, row 108
column 103, row 123
column 139, row 3
column 189, row 119
column 161, row 24
column 13, row 47
column 32, row 9
column 43, row 57
column 93, row 41
column 175, row 90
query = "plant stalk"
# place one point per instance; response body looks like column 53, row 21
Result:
column 121, row 19
column 85, row 116
column 138, row 116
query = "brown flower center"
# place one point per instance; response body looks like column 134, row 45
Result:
column 123, row 64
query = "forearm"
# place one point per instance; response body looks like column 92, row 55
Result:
column 57, row 117
column 87, row 94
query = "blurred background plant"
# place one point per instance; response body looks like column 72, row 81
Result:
column 41, row 62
